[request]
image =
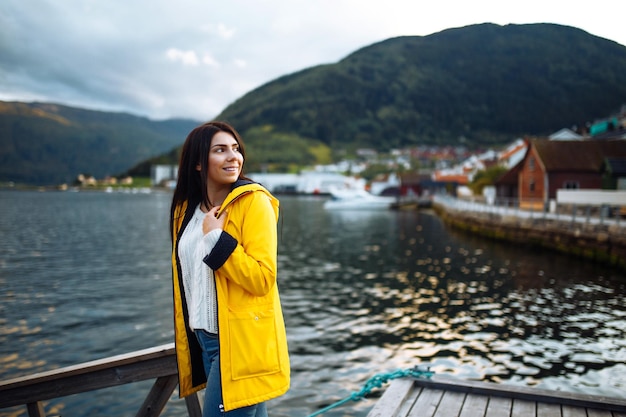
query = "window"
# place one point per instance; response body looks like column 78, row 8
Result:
column 571, row 185
column 531, row 186
column 531, row 163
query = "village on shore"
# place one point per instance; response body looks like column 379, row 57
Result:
column 582, row 166
column 569, row 167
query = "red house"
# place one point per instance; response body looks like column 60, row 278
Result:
column 551, row 165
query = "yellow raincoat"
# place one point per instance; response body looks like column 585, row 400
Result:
column 254, row 361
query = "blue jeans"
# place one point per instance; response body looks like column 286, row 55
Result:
column 213, row 406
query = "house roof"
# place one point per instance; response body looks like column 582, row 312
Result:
column 519, row 145
column 587, row 155
column 565, row 134
column 457, row 178
column 510, row 176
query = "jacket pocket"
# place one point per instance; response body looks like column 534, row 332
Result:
column 253, row 344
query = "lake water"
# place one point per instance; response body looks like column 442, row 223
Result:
column 86, row 275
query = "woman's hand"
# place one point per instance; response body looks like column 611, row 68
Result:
column 212, row 222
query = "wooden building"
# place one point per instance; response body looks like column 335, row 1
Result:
column 552, row 165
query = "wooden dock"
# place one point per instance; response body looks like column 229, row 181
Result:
column 449, row 397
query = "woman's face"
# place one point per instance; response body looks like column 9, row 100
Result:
column 225, row 160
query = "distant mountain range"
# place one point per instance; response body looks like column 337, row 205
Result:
column 480, row 85
column 44, row 144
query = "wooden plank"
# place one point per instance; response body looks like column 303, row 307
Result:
column 592, row 412
column 427, row 403
column 158, row 396
column 480, row 399
column 474, row 406
column 451, row 404
column 548, row 410
column 193, row 405
column 393, row 398
column 524, row 393
column 523, row 408
column 405, row 408
column 499, row 407
column 90, row 376
column 571, row 411
column 88, row 367
column 35, row 409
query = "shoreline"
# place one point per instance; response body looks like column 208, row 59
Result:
column 599, row 242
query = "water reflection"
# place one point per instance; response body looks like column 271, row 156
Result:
column 397, row 288
column 363, row 292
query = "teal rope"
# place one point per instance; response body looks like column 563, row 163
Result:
column 377, row 381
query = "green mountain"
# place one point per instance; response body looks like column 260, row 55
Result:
column 46, row 144
column 478, row 85
column 481, row 84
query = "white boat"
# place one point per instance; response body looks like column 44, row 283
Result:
column 357, row 199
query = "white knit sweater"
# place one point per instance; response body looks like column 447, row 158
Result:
column 198, row 278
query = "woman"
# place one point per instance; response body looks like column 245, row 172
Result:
column 229, row 329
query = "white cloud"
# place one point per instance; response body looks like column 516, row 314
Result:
column 225, row 32
column 210, row 61
column 186, row 57
column 192, row 58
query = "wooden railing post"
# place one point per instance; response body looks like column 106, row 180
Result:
column 159, row 395
column 35, row 409
column 193, row 405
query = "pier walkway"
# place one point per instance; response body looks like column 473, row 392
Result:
column 450, row 397
column 581, row 233
column 575, row 215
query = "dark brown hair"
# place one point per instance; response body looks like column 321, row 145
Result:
column 191, row 183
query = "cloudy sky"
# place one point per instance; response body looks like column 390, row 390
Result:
column 191, row 58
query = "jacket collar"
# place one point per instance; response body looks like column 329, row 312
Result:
column 242, row 187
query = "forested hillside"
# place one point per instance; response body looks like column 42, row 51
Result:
column 47, row 144
column 480, row 84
